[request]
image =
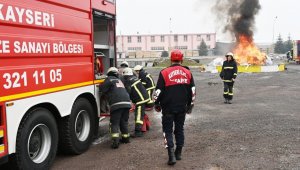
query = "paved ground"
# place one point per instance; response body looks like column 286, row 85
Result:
column 260, row 130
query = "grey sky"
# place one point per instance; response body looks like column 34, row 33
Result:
column 196, row 16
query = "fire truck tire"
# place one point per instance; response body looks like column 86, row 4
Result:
column 77, row 129
column 37, row 140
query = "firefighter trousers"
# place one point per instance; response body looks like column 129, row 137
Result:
column 228, row 90
column 151, row 102
column 139, row 117
column 119, row 122
column 168, row 121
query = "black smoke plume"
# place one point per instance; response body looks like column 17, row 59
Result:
column 239, row 16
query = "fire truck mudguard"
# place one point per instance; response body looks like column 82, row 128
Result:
column 77, row 129
column 37, row 140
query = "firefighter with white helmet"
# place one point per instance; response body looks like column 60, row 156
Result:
column 119, row 102
column 138, row 96
column 228, row 75
column 174, row 96
column 149, row 84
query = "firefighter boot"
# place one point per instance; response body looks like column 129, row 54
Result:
column 229, row 102
column 172, row 158
column 226, row 101
column 115, row 144
column 125, row 140
column 178, row 152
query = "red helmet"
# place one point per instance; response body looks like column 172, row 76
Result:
column 176, row 55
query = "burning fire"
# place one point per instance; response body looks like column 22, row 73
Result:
column 246, row 52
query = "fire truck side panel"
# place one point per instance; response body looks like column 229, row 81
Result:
column 63, row 104
column 47, row 57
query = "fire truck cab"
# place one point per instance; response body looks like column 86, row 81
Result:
column 49, row 97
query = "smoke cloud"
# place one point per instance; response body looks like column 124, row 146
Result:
column 238, row 16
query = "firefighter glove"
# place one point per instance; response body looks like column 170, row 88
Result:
column 190, row 108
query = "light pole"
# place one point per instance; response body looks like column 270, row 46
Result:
column 273, row 33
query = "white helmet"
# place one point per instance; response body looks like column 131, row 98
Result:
column 229, row 54
column 138, row 68
column 124, row 64
column 112, row 69
column 127, row 72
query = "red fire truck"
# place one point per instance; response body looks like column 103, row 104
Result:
column 48, row 76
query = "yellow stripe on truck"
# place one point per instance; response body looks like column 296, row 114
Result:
column 1, row 148
column 44, row 91
column 1, row 133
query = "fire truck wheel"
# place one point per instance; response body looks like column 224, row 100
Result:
column 77, row 129
column 37, row 140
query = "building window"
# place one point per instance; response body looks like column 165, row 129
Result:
column 139, row 39
column 157, row 48
column 185, row 38
column 162, row 38
column 152, row 39
column 129, row 39
column 175, row 38
column 134, row 48
column 207, row 37
column 181, row 47
column 198, row 37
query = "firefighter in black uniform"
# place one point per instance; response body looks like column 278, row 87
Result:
column 174, row 96
column 147, row 81
column 119, row 102
column 149, row 84
column 228, row 75
column 138, row 96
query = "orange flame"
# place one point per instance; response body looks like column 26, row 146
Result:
column 246, row 52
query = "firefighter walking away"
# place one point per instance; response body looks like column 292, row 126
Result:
column 138, row 96
column 228, row 75
column 174, row 96
column 119, row 102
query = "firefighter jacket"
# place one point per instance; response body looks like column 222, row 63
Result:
column 175, row 89
column 146, row 80
column 116, row 93
column 229, row 71
column 137, row 91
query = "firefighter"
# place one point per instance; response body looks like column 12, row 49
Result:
column 138, row 96
column 147, row 81
column 123, row 65
column 149, row 84
column 228, row 75
column 174, row 96
column 119, row 101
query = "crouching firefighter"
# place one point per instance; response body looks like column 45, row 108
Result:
column 119, row 102
column 174, row 96
column 149, row 84
column 138, row 96
column 228, row 75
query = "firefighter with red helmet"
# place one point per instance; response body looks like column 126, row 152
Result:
column 119, row 102
column 138, row 96
column 174, row 96
column 228, row 75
